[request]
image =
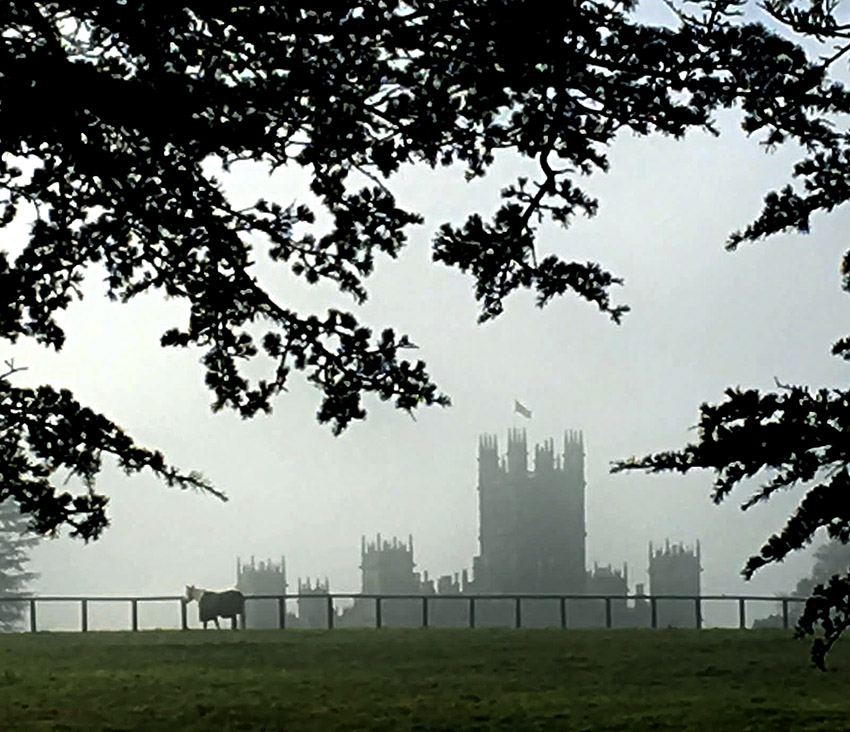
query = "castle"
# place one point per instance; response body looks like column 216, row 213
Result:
column 531, row 522
column 532, row 540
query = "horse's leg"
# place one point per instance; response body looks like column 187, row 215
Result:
column 205, row 624
column 233, row 622
column 216, row 622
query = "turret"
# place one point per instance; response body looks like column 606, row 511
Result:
column 675, row 570
column 544, row 458
column 488, row 461
column 517, row 453
column 261, row 578
column 574, row 454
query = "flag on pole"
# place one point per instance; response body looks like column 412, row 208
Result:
column 521, row 409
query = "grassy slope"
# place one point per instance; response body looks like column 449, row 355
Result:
column 420, row 680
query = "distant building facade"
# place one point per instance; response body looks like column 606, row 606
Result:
column 532, row 540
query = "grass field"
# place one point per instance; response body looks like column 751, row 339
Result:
column 420, row 680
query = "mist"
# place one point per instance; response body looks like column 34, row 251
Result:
column 702, row 319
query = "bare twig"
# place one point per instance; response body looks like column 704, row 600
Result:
column 12, row 369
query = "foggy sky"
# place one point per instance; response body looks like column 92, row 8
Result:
column 702, row 319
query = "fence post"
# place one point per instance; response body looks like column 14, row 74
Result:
column 184, row 620
column 330, row 612
column 33, row 624
column 378, row 618
column 698, row 612
column 425, row 611
column 785, row 613
column 518, row 613
column 281, row 612
column 471, row 612
column 84, row 614
column 742, row 614
column 607, row 612
column 134, row 614
column 563, row 612
column 653, row 612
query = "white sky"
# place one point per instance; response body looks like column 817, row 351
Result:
column 702, row 319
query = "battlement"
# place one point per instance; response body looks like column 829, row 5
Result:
column 261, row 578
column 317, row 587
column 573, row 439
column 487, row 443
column 386, row 547
column 609, row 571
column 493, row 467
column 261, row 567
column 674, row 552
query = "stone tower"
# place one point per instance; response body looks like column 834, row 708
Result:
column 261, row 578
column 675, row 570
column 313, row 603
column 531, row 521
column 387, row 567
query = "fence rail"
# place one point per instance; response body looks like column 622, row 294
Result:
column 427, row 604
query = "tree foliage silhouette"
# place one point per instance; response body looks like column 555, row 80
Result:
column 794, row 436
column 15, row 542
column 827, row 606
column 108, row 111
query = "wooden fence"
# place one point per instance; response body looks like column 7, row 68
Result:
column 426, row 603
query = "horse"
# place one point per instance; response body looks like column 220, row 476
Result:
column 212, row 605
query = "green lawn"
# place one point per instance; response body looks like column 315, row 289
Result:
column 420, row 680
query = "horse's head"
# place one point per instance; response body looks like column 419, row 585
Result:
column 193, row 593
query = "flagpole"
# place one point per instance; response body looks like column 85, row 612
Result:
column 523, row 411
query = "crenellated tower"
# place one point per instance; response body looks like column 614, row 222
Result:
column 261, row 578
column 387, row 567
column 313, row 603
column 531, row 521
column 675, row 570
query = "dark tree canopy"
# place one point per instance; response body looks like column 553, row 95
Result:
column 108, row 111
